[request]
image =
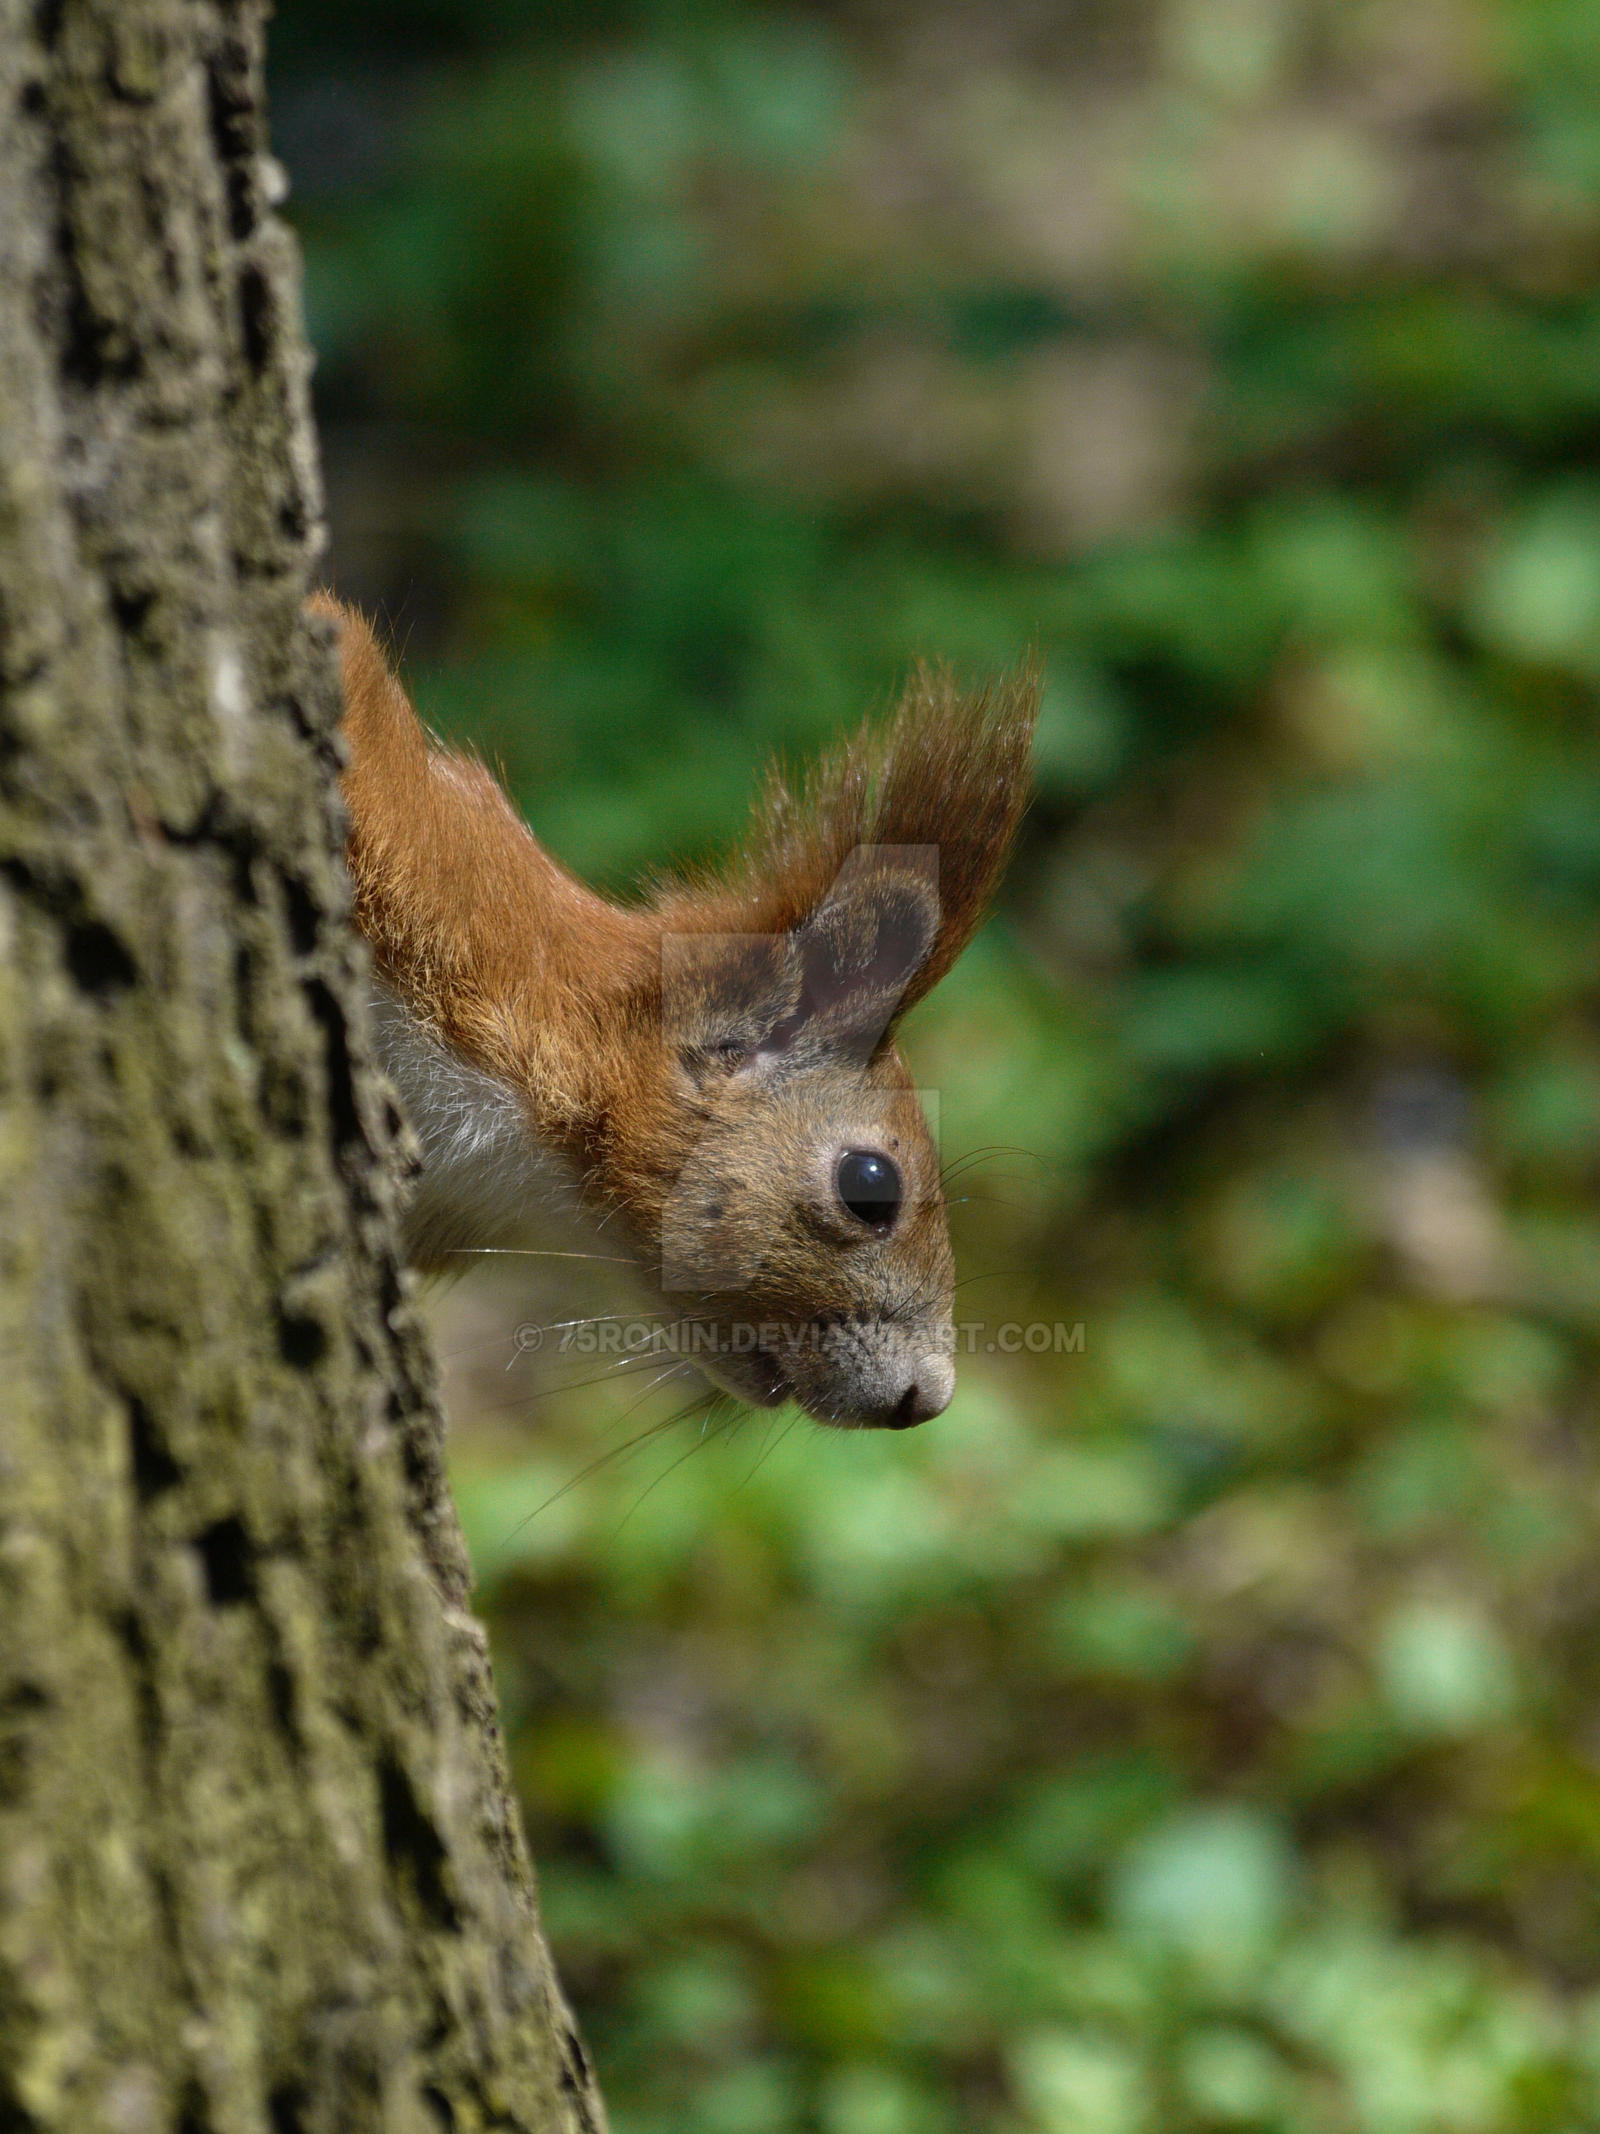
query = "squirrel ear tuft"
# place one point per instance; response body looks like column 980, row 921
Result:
column 873, row 873
column 946, row 776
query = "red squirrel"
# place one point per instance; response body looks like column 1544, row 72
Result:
column 705, row 1083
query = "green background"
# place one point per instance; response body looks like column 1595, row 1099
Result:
column 1199, row 1731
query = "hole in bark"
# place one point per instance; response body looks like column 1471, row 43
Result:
column 97, row 959
column 304, row 917
column 443, row 2110
column 226, row 1553
column 233, row 131
column 47, row 21
column 255, row 313
column 131, row 607
column 154, row 1468
column 286, row 2108
column 341, row 1081
column 413, row 1846
column 575, row 2070
column 302, row 1342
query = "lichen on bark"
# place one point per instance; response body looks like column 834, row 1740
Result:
column 260, row 1872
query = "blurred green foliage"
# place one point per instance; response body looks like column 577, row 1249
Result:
column 1201, row 1731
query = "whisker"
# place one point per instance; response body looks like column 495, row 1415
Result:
column 995, row 1274
column 973, row 1157
column 553, row 1326
column 616, row 1368
column 673, row 1465
column 529, row 1252
column 658, row 1381
column 562, row 1326
column 619, row 1367
column 717, row 1403
column 615, row 1452
column 769, row 1446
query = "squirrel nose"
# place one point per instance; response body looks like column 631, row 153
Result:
column 927, row 1395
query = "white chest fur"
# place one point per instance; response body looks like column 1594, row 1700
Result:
column 487, row 1181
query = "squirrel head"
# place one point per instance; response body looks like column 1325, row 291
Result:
column 718, row 1064
column 796, row 1194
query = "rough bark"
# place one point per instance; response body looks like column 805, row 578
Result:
column 259, row 1869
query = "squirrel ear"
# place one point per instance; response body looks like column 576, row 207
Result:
column 835, row 983
column 860, row 950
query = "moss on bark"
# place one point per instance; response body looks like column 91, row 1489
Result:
column 259, row 1868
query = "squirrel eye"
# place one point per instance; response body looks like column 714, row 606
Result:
column 870, row 1187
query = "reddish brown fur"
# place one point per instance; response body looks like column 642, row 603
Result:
column 491, row 943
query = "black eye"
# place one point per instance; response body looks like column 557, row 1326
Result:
column 869, row 1185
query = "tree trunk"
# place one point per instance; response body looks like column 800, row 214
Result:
column 260, row 1872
